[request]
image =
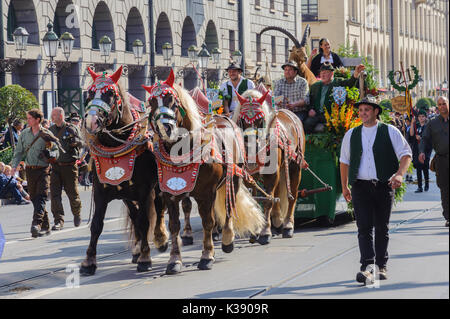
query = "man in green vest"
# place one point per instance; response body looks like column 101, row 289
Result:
column 374, row 158
column 236, row 83
column 320, row 95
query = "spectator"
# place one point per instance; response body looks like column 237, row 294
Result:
column 436, row 136
column 18, row 181
column 294, row 90
column 16, row 128
column 415, row 133
column 8, row 187
column 320, row 96
column 315, row 61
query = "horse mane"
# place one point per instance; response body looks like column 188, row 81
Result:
column 191, row 108
column 268, row 111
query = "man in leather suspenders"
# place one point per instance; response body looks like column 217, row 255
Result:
column 35, row 144
column 370, row 157
column 236, row 83
column 64, row 174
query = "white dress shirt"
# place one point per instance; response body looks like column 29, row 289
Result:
column 367, row 169
column 234, row 101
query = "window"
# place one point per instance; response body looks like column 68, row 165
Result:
column 257, row 4
column 258, row 48
column 272, row 6
column 310, row 10
column 274, row 50
column 285, row 6
column 232, row 42
column 286, row 49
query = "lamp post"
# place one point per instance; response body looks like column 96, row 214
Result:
column 237, row 57
column 167, row 51
column 50, row 41
column 192, row 53
column 421, row 86
column 138, row 50
column 203, row 60
column 20, row 36
column 216, row 53
column 105, row 45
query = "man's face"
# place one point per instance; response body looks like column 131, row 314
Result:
column 234, row 74
column 289, row 72
column 422, row 118
column 443, row 107
column 326, row 76
column 367, row 113
column 31, row 121
column 57, row 117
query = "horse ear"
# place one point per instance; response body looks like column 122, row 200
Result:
column 263, row 98
column 171, row 79
column 116, row 76
column 92, row 73
column 242, row 100
column 148, row 88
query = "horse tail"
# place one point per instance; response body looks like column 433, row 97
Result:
column 283, row 195
column 248, row 219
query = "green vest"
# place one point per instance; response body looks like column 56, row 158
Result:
column 386, row 162
column 241, row 89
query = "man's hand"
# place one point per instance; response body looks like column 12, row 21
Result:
column 422, row 158
column 396, row 181
column 314, row 52
column 347, row 194
column 358, row 70
column 312, row 113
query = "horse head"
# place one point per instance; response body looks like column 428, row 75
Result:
column 104, row 105
column 167, row 112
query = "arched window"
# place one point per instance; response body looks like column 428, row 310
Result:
column 163, row 32
column 188, row 36
column 134, row 29
column 102, row 25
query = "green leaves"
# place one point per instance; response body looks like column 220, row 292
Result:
column 15, row 101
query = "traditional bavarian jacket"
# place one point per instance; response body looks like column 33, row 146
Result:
column 373, row 153
column 69, row 136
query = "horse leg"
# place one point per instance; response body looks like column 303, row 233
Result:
column 135, row 240
column 270, row 181
column 175, row 262
column 187, row 237
column 142, row 224
column 288, row 224
column 89, row 265
column 206, row 211
column 161, row 238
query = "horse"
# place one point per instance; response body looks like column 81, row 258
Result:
column 125, row 168
column 215, row 184
column 280, row 136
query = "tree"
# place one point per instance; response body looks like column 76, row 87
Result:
column 387, row 104
column 423, row 104
column 15, row 101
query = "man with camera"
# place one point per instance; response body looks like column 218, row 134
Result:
column 36, row 144
column 64, row 172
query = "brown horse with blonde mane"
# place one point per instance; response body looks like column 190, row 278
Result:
column 212, row 179
column 275, row 143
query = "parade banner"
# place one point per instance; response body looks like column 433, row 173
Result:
column 399, row 104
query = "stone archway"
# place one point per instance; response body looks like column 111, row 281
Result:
column 188, row 36
column 22, row 13
column 163, row 32
column 211, row 38
column 102, row 25
column 67, row 21
column 134, row 29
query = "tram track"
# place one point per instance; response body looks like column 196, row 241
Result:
column 158, row 271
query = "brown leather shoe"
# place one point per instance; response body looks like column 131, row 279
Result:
column 76, row 220
column 58, row 226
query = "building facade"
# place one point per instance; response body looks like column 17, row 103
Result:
column 225, row 24
column 414, row 32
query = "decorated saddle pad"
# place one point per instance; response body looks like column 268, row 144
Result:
column 115, row 170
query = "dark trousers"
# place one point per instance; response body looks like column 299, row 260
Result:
column 38, row 183
column 441, row 162
column 373, row 207
column 310, row 123
column 64, row 177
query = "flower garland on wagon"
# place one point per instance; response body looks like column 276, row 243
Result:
column 341, row 118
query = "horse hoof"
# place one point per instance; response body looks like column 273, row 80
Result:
column 215, row 236
column 144, row 266
column 288, row 233
column 135, row 258
column 205, row 264
column 252, row 239
column 187, row 241
column 264, row 239
column 88, row 271
column 173, row 269
column 277, row 231
column 228, row 248
column 163, row 248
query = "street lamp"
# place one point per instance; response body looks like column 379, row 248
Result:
column 167, row 51
column 192, row 53
column 138, row 50
column 50, row 41
column 105, row 45
column 203, row 60
column 237, row 57
column 216, row 55
column 66, row 42
column 20, row 36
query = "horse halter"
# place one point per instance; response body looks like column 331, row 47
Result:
column 251, row 109
column 164, row 114
column 102, row 84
